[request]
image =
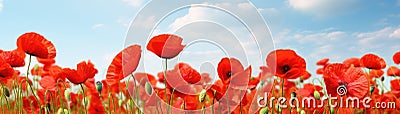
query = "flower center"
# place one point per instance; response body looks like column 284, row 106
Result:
column 229, row 74
column 285, row 68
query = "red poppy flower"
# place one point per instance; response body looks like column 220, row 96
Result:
column 320, row 71
column 142, row 78
column 353, row 78
column 372, row 61
column 395, row 84
column 30, row 105
column 205, row 78
column 308, row 91
column 228, row 67
column 390, row 96
column 48, row 83
column 52, row 71
column 352, row 61
column 287, row 64
column 219, row 88
column 231, row 71
column 376, row 73
column 95, row 106
column 253, row 83
column 323, row 62
column 84, row 71
column 175, row 80
column 46, row 62
column 35, row 44
column 6, row 71
column 165, row 45
column 306, row 75
column 160, row 76
column 189, row 74
column 393, row 71
column 396, row 58
column 241, row 80
column 191, row 102
column 265, row 73
column 123, row 64
column 114, row 88
column 39, row 71
column 16, row 58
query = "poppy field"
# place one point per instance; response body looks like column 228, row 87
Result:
column 48, row 88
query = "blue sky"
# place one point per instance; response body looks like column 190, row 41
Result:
column 96, row 29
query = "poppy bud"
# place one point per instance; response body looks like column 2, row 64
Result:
column 317, row 95
column 382, row 78
column 303, row 112
column 62, row 111
column 67, row 95
column 36, row 67
column 202, row 95
column 148, row 88
column 298, row 110
column 99, row 86
column 120, row 102
column 332, row 110
column 6, row 92
column 264, row 110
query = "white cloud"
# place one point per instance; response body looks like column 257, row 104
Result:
column 319, row 52
column 194, row 13
column 395, row 34
column 1, row 5
column 369, row 38
column 322, row 7
column 134, row 3
column 97, row 26
column 224, row 30
column 303, row 37
column 339, row 43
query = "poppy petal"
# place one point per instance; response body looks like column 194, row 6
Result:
column 165, row 45
column 35, row 44
column 16, row 58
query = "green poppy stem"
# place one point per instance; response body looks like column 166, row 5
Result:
column 84, row 98
column 165, row 83
column 227, row 99
column 283, row 82
column 26, row 79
